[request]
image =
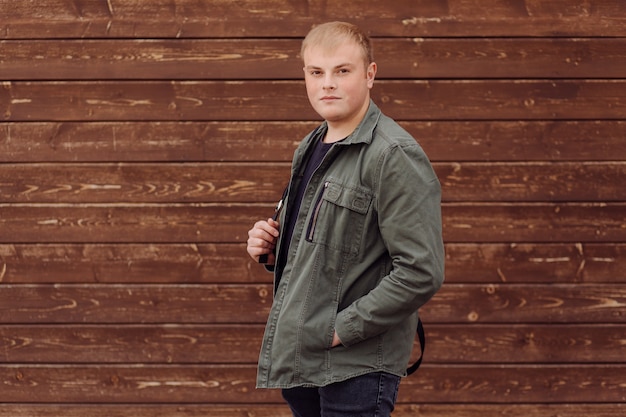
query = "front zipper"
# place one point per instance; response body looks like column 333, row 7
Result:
column 316, row 212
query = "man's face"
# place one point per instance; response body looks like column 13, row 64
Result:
column 338, row 83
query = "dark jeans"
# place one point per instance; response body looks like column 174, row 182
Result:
column 369, row 395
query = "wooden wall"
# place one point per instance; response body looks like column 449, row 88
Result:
column 139, row 140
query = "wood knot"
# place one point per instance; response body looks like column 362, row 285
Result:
column 528, row 338
column 472, row 316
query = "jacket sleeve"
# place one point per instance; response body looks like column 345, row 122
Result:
column 409, row 220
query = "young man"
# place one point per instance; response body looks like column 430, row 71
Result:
column 357, row 249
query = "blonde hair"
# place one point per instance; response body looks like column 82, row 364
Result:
column 332, row 34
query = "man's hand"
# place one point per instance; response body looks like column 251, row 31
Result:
column 336, row 340
column 262, row 240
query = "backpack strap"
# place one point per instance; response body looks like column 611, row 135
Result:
column 422, row 338
column 263, row 258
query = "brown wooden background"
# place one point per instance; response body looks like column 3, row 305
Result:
column 139, row 140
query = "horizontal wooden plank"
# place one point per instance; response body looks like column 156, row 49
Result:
column 142, row 223
column 535, row 263
column 286, row 100
column 240, row 344
column 243, row 304
column 526, row 303
column 136, row 304
column 165, row 344
column 180, row 410
column 174, row 59
column 229, row 223
column 453, row 384
column 528, row 182
column 514, row 384
column 500, row 58
column 503, row 410
column 129, row 263
column 161, row 141
column 527, row 222
column 230, row 263
column 185, row 59
column 263, row 183
column 132, row 384
column 276, row 141
column 552, row 343
column 281, row 410
column 263, row 18
column 143, row 183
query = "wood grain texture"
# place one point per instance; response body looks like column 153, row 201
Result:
column 139, row 141
column 285, row 100
column 278, row 59
column 229, row 263
column 240, row 344
column 263, row 183
column 515, row 141
column 452, row 384
column 506, row 384
column 276, row 18
column 159, row 410
column 229, row 223
column 281, row 410
column 241, row 304
column 142, row 183
column 127, row 304
column 535, row 263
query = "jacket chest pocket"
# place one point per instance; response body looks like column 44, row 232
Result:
column 338, row 218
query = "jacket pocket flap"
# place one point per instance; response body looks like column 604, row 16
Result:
column 356, row 200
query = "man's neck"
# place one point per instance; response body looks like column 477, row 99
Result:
column 335, row 135
column 335, row 132
column 339, row 131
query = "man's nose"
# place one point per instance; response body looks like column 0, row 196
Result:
column 329, row 82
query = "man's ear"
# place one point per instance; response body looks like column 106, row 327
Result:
column 371, row 74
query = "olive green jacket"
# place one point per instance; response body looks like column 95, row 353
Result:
column 366, row 254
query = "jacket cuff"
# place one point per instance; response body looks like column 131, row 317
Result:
column 344, row 326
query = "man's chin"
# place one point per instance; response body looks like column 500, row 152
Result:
column 330, row 115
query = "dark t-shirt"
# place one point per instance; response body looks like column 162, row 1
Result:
column 317, row 156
